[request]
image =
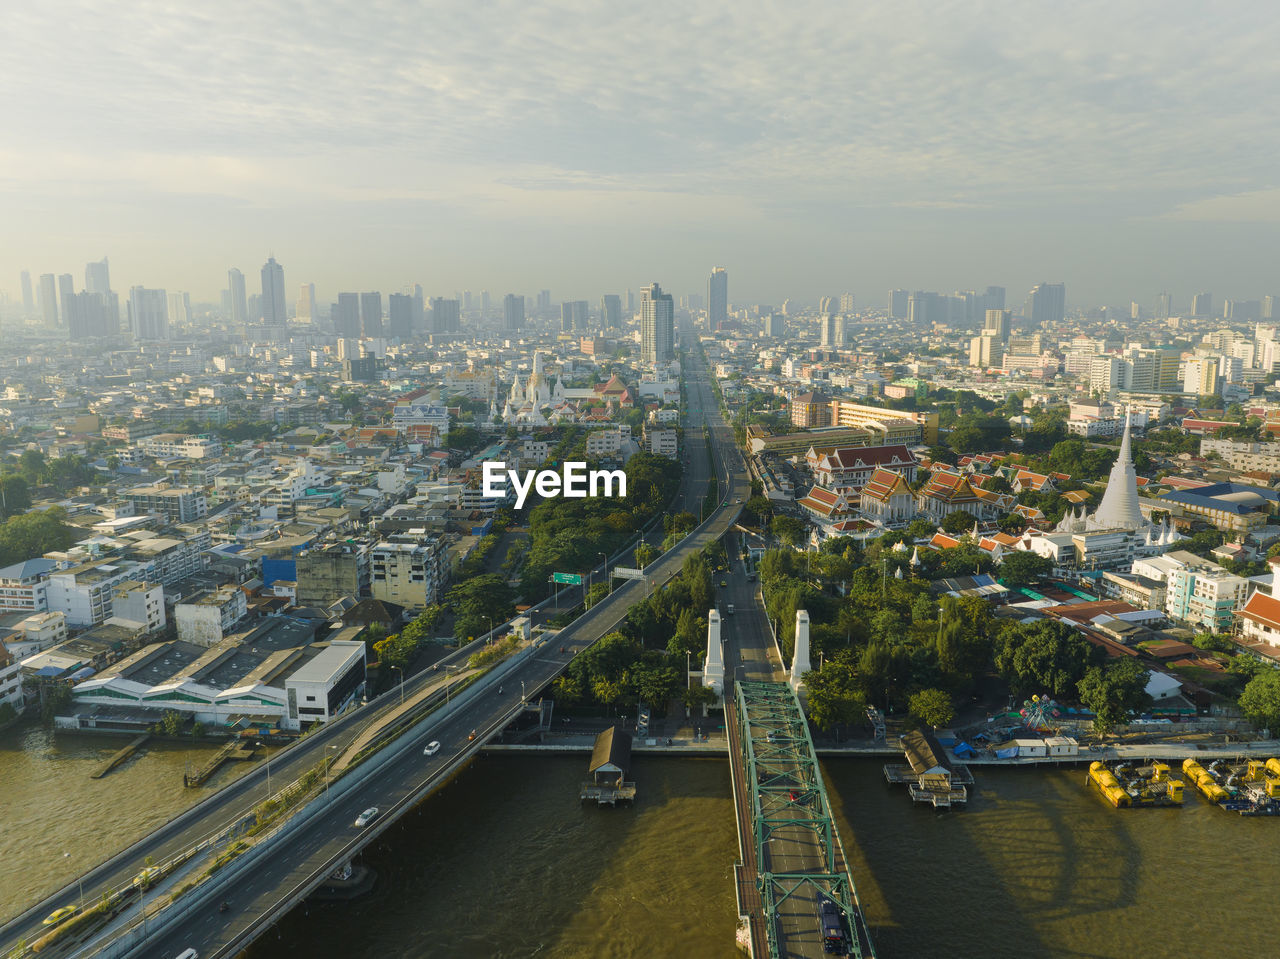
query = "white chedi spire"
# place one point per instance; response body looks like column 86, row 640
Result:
column 1119, row 508
column 713, row 668
column 800, row 660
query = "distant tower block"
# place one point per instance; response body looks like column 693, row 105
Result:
column 713, row 668
column 800, row 662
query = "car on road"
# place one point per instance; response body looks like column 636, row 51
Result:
column 724, row 582
column 144, row 879
column 367, row 816
column 188, row 954
column 729, row 609
column 431, row 749
column 58, row 915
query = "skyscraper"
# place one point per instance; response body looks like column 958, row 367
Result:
column 148, row 313
column 485, row 303
column 97, row 277
column 657, row 325
column 274, row 311
column 998, row 323
column 512, row 313
column 574, row 316
column 897, row 307
column 371, row 313
column 717, row 297
column 831, row 328
column 179, row 310
column 995, row 298
column 66, row 292
column 1164, row 306
column 826, row 304
column 306, row 311
column 1047, row 303
column 28, row 300
column 239, row 304
column 1202, row 304
column 846, row 302
column 346, row 319
column 49, row 299
column 1269, row 311
column 400, row 315
column 446, row 315
column 544, row 299
column 611, row 311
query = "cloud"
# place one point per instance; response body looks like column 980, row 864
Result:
column 1256, row 206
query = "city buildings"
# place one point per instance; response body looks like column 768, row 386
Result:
column 657, row 326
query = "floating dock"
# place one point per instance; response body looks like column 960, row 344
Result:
column 105, row 767
column 1126, row 785
column 610, row 761
column 1248, row 787
column 928, row 775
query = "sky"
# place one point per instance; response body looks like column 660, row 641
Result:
column 811, row 148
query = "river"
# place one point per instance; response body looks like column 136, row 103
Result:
column 505, row 862
column 49, row 806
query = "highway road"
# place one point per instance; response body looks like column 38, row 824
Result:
column 331, row 836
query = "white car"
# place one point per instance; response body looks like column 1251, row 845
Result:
column 431, row 749
column 367, row 816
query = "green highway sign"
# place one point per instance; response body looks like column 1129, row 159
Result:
column 571, row 579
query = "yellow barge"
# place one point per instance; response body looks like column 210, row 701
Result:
column 1123, row 784
column 1251, row 787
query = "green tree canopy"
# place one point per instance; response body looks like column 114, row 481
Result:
column 932, row 707
column 1045, row 657
column 1113, row 691
column 1260, row 700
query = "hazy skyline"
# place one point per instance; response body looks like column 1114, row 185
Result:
column 809, row 148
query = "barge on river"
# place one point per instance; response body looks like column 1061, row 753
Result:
column 1248, row 787
column 1124, row 784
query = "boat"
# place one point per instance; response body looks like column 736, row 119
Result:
column 1126, row 785
column 1248, row 787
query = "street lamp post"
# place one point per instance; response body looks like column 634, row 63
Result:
column 448, row 684
column 608, row 583
column 523, row 699
column 79, row 882
column 264, row 746
column 326, row 771
column 401, row 670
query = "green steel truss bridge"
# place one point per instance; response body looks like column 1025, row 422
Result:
column 790, row 841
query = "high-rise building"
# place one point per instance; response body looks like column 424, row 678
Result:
column 994, row 298
column 400, row 315
column 446, row 315
column 485, row 303
column 657, row 325
column 846, row 302
column 306, row 311
column 466, row 300
column 629, row 300
column 925, row 308
column 611, row 311
column 371, row 313
column 544, row 300
column 239, row 303
column 1164, row 306
column 49, row 299
column 831, row 329
column 826, row 304
column 28, row 300
column 1200, row 376
column 1242, row 311
column 897, row 307
column 346, row 315
column 512, row 313
column 986, row 351
column 274, row 311
column 775, row 326
column 179, row 309
column 1202, row 304
column 574, row 316
column 148, row 314
column 718, row 297
column 999, row 323
column 1047, row 303
column 97, row 277
column 1106, row 374
column 1269, row 303
column 66, row 292
column 93, row 314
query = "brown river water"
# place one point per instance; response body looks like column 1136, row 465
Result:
column 505, row 862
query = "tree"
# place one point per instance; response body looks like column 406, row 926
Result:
column 1022, row 568
column 699, row 695
column 834, row 695
column 788, row 530
column 958, row 522
column 932, row 707
column 479, row 602
column 15, row 495
column 1113, row 691
column 1260, row 700
column 1045, row 657
column 645, row 554
column 32, row 534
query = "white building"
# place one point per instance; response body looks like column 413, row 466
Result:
column 141, row 603
column 321, row 688
column 664, row 443
column 84, row 593
column 24, row 586
column 205, row 619
column 10, row 679
column 34, row 633
column 175, row 445
column 407, row 571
